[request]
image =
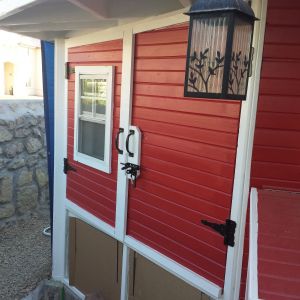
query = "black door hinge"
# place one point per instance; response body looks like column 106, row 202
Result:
column 68, row 70
column 227, row 230
column 67, row 166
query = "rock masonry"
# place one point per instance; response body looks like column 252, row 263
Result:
column 23, row 160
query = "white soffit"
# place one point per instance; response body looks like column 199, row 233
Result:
column 50, row 19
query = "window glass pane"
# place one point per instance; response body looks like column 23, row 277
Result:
column 86, row 105
column 100, row 106
column 100, row 88
column 101, row 94
column 93, row 116
column 86, row 102
column 206, row 61
column 240, row 58
column 87, row 87
column 91, row 139
column 91, row 133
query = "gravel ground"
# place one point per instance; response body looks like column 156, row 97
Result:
column 25, row 257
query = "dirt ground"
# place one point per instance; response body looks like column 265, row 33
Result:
column 25, row 257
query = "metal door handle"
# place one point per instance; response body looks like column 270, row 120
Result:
column 131, row 132
column 121, row 130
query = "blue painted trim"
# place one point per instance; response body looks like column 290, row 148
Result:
column 48, row 89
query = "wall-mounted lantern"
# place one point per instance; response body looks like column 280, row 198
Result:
column 219, row 49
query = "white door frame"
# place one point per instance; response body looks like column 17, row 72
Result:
column 63, row 207
column 60, row 151
column 125, row 122
column 243, row 159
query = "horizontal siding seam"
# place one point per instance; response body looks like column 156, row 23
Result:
column 233, row 147
column 100, row 195
column 198, row 171
column 191, row 183
column 180, row 258
column 93, row 201
column 141, row 45
column 183, row 246
column 96, row 183
column 190, row 195
column 179, row 206
column 184, row 234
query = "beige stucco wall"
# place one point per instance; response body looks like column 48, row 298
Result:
column 25, row 55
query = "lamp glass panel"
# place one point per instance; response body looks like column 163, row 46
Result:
column 240, row 58
column 207, row 54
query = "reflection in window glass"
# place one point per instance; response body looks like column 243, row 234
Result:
column 87, row 143
column 100, row 106
column 93, row 99
column 101, row 88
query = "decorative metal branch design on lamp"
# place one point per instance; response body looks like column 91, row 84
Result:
column 219, row 49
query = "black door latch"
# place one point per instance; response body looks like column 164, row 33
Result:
column 227, row 230
column 132, row 170
column 67, row 166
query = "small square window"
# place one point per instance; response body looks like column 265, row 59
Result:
column 93, row 116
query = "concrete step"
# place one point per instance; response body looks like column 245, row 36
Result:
column 51, row 290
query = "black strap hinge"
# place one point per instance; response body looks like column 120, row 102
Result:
column 67, row 166
column 68, row 70
column 227, row 230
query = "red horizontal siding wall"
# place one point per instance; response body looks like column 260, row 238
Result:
column 278, row 258
column 188, row 158
column 276, row 153
column 91, row 189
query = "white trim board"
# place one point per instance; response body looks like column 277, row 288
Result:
column 252, row 277
column 243, row 160
column 11, row 7
column 60, row 152
column 117, row 32
column 96, row 72
column 125, row 273
column 175, row 268
column 125, row 122
column 74, row 289
column 80, row 213
column 153, row 23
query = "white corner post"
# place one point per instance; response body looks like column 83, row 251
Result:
column 252, row 279
column 125, row 122
column 125, row 273
column 243, row 159
column 60, row 151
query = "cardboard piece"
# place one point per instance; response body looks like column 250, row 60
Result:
column 71, row 250
column 150, row 282
column 95, row 261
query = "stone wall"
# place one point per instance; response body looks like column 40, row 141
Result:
column 23, row 159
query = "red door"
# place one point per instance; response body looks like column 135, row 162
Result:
column 188, row 158
column 88, row 187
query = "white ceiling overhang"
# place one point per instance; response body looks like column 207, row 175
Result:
column 50, row 19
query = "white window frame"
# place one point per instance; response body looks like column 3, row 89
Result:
column 100, row 72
